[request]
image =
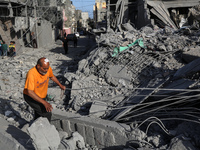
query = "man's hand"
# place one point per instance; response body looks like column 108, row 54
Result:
column 40, row 100
column 62, row 87
column 58, row 83
column 47, row 106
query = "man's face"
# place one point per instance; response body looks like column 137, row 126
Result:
column 44, row 68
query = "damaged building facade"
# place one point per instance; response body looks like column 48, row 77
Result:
column 112, row 13
column 31, row 23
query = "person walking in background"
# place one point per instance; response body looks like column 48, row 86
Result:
column 12, row 49
column 36, row 86
column 75, row 40
column 65, row 45
column 1, row 52
column 34, row 40
column 4, row 48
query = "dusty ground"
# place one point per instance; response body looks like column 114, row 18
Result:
column 13, row 72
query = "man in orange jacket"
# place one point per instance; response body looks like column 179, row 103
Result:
column 36, row 86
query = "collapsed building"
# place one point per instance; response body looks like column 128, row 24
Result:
column 29, row 23
column 136, row 89
column 144, row 77
column 141, row 13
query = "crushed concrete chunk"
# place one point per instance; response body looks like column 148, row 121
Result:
column 44, row 135
column 98, row 108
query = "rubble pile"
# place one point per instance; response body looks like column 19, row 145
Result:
column 45, row 136
column 107, row 78
column 148, row 79
column 12, row 80
column 135, row 75
column 20, row 115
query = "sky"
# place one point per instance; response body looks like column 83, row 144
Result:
column 85, row 6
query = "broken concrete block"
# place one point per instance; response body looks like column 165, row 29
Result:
column 8, row 113
column 128, row 27
column 11, row 119
column 110, row 139
column 192, row 67
column 99, row 136
column 44, row 135
column 98, row 108
column 79, row 139
column 66, row 126
column 63, row 135
column 155, row 140
column 70, row 76
column 89, row 133
column 81, row 129
column 54, row 94
column 191, row 55
column 117, row 72
column 75, row 142
column 180, row 143
column 82, row 64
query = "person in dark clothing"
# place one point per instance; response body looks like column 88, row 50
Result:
column 4, row 48
column 1, row 51
column 75, row 40
column 65, row 45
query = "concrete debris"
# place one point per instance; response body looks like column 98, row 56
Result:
column 44, row 135
column 12, row 138
column 182, row 143
column 137, row 77
column 192, row 54
column 149, row 88
column 76, row 141
column 98, row 108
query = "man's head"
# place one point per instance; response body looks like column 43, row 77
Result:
column 42, row 65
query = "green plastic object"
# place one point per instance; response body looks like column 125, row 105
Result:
column 118, row 50
column 49, row 98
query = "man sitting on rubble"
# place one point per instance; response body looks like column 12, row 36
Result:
column 36, row 86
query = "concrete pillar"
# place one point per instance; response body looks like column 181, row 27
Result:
column 126, row 12
column 10, row 10
column 108, row 13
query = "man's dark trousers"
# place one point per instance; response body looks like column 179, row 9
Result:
column 40, row 110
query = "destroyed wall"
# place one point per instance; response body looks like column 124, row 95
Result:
column 155, row 12
column 46, row 33
column 164, row 12
column 100, row 14
column 8, row 33
column 100, row 133
column 12, row 22
column 23, row 28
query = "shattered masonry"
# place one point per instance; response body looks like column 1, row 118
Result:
column 138, row 88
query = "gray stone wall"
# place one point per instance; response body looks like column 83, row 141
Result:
column 45, row 34
column 101, row 133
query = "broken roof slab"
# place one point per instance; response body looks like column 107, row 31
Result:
column 174, row 3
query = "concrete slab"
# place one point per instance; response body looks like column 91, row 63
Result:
column 12, row 138
column 44, row 135
column 191, row 54
column 192, row 67
column 98, row 108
